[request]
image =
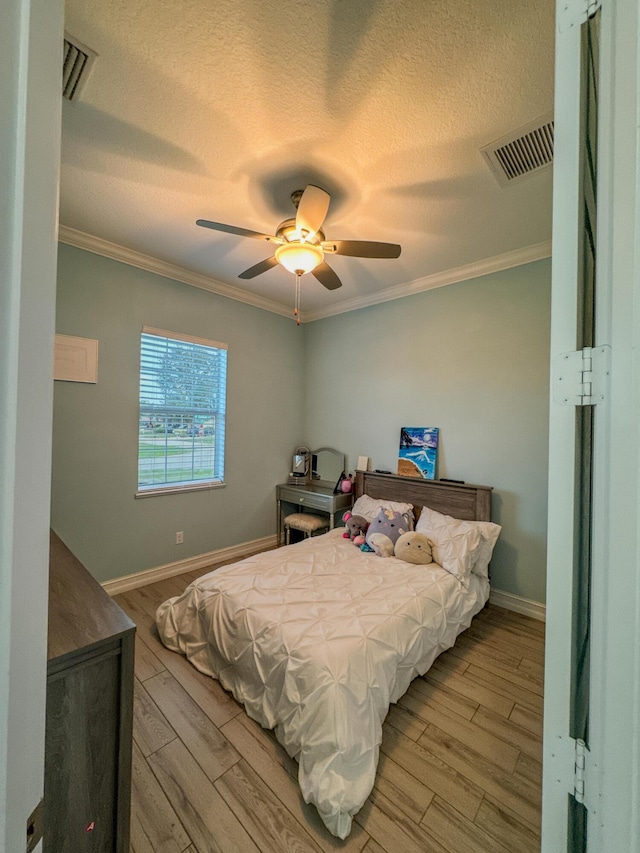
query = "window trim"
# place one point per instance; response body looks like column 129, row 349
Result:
column 195, row 486
column 179, row 336
column 175, row 490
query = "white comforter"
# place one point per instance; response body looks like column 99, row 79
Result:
column 316, row 639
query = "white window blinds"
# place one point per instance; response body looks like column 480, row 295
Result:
column 182, row 411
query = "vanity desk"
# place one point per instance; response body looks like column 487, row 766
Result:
column 316, row 490
column 316, row 496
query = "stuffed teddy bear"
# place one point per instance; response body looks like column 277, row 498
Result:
column 384, row 531
column 356, row 527
column 414, row 547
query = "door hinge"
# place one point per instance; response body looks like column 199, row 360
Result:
column 581, row 378
column 578, row 773
column 573, row 13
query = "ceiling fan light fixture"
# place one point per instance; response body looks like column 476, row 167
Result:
column 299, row 258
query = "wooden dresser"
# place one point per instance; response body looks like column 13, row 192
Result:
column 87, row 787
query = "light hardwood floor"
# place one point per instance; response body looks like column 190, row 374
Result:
column 459, row 771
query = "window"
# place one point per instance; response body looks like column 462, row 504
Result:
column 183, row 384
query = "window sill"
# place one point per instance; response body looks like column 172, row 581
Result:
column 176, row 490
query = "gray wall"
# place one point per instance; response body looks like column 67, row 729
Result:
column 472, row 359
column 95, row 434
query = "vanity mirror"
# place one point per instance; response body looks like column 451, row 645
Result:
column 327, row 465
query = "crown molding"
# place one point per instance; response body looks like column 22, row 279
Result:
column 497, row 263
column 81, row 240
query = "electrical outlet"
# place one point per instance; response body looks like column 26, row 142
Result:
column 179, row 537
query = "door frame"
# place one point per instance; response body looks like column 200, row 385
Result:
column 615, row 669
column 612, row 784
column 31, row 42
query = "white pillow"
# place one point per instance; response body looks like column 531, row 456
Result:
column 489, row 532
column 460, row 547
column 370, row 507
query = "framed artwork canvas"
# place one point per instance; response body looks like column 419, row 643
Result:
column 418, row 452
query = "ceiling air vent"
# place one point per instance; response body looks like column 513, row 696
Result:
column 76, row 67
column 523, row 152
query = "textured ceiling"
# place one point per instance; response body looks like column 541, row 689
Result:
column 219, row 110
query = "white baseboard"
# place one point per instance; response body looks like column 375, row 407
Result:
column 191, row 564
column 518, row 604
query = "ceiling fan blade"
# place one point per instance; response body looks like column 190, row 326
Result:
column 362, row 248
column 312, row 210
column 258, row 269
column 326, row 276
column 232, row 229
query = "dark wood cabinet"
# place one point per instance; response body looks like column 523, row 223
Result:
column 87, row 788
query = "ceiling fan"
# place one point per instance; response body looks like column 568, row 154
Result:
column 301, row 244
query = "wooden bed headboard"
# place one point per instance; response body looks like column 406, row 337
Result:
column 465, row 501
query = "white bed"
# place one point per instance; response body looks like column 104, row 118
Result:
column 316, row 640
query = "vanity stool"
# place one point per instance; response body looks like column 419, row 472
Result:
column 306, row 523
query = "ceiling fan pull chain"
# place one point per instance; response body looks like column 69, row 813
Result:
column 296, row 310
